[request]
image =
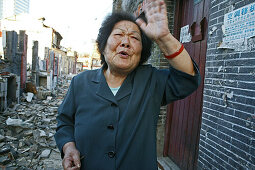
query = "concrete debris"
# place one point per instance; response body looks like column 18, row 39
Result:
column 49, row 97
column 43, row 93
column 45, row 153
column 42, row 133
column 4, row 160
column 18, row 123
column 30, row 87
column 14, row 122
column 9, row 138
column 29, row 96
column 4, row 150
column 22, row 161
column 27, row 130
column 1, row 138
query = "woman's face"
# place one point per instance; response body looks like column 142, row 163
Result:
column 124, row 47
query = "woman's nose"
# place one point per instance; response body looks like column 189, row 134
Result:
column 125, row 45
column 125, row 42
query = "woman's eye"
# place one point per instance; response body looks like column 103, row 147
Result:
column 135, row 38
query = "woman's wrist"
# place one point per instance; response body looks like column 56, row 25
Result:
column 176, row 53
column 68, row 145
column 168, row 44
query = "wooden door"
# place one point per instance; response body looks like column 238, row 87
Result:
column 184, row 116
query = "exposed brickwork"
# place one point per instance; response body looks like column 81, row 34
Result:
column 157, row 59
column 228, row 119
column 117, row 5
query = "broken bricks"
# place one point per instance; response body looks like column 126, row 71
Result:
column 27, row 131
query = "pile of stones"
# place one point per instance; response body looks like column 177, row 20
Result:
column 27, row 130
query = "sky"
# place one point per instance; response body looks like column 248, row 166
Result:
column 77, row 21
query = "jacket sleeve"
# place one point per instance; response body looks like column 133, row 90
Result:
column 179, row 84
column 65, row 119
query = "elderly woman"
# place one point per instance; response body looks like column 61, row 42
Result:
column 108, row 118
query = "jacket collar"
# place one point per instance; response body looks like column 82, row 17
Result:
column 104, row 91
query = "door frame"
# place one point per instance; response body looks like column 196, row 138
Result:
column 170, row 108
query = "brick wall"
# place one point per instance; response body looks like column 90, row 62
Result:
column 116, row 5
column 228, row 120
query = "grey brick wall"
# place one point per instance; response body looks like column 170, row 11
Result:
column 116, row 5
column 227, row 137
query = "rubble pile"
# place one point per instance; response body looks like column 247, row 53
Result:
column 27, row 130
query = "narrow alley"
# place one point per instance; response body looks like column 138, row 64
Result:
column 44, row 44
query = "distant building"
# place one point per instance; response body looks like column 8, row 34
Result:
column 36, row 31
column 13, row 7
column 90, row 61
column 1, row 9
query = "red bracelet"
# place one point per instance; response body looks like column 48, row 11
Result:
column 176, row 53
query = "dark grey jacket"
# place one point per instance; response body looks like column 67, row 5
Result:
column 119, row 132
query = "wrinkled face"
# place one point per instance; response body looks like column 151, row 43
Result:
column 124, row 47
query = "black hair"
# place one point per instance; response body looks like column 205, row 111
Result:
column 106, row 29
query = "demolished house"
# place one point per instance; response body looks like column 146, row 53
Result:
column 31, row 54
column 33, row 82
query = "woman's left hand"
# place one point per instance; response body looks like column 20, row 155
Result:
column 157, row 29
column 157, row 22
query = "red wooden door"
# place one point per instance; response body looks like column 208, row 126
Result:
column 184, row 116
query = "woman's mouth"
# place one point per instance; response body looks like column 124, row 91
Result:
column 123, row 54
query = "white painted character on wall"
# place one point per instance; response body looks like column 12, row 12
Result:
column 251, row 43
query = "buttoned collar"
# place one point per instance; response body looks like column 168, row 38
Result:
column 104, row 91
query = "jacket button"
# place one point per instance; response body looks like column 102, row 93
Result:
column 111, row 154
column 113, row 104
column 110, row 127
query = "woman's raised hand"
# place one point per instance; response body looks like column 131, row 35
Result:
column 157, row 29
column 157, row 22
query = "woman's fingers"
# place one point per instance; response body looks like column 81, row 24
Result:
column 141, row 23
column 155, row 10
column 154, row 6
column 156, row 15
column 71, row 164
column 163, row 7
column 71, row 159
column 76, row 160
column 67, row 163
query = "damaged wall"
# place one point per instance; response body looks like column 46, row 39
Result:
column 228, row 120
column 12, row 68
column 9, row 90
column 11, row 54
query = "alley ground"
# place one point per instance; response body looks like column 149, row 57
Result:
column 27, row 129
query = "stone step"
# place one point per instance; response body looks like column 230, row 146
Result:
column 165, row 163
